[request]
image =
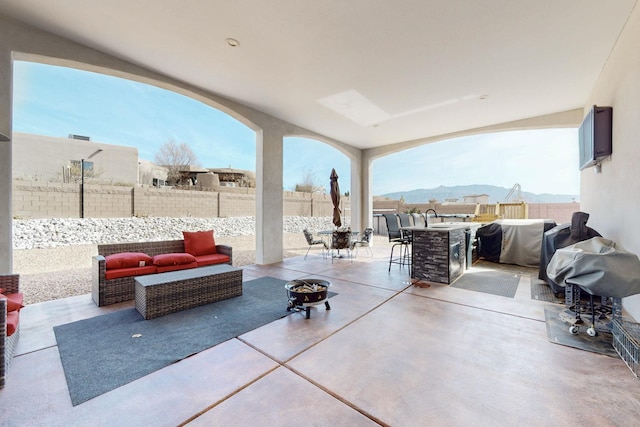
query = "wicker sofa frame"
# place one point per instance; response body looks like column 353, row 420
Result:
column 107, row 292
column 164, row 293
column 10, row 283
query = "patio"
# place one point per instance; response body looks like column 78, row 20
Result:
column 387, row 353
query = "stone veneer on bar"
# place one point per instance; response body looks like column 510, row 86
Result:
column 438, row 254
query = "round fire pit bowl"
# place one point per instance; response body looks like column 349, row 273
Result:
column 305, row 293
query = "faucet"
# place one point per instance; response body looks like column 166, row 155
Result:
column 426, row 216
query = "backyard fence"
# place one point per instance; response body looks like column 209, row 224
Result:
column 35, row 199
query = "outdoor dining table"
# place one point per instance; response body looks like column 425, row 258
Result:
column 326, row 235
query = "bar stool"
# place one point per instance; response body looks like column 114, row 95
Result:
column 399, row 239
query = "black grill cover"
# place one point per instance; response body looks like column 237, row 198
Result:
column 562, row 236
column 490, row 241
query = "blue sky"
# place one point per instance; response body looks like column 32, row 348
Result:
column 56, row 101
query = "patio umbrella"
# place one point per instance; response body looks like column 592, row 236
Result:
column 335, row 198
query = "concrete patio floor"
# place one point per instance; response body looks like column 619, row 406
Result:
column 387, row 353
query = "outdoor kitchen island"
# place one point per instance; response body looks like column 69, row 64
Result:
column 439, row 252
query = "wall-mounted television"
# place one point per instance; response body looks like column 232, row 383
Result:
column 595, row 136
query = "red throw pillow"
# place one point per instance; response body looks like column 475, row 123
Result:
column 127, row 260
column 199, row 242
column 14, row 301
column 173, row 259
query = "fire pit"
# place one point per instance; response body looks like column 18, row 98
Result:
column 305, row 293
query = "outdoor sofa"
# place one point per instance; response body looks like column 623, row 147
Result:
column 117, row 265
column 10, row 305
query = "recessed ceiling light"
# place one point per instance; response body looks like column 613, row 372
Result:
column 232, row 42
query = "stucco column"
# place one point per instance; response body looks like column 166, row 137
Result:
column 6, row 245
column 269, row 196
column 365, row 198
column 358, row 220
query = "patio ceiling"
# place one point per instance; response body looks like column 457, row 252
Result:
column 363, row 72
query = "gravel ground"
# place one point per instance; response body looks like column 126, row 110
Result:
column 63, row 271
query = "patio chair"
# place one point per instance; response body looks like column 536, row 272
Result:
column 418, row 219
column 312, row 242
column 365, row 241
column 341, row 239
column 397, row 237
column 406, row 221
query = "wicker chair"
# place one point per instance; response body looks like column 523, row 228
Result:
column 10, row 283
column 365, row 241
column 341, row 239
column 312, row 242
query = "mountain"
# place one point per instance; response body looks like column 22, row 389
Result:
column 496, row 194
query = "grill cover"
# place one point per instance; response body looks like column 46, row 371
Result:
column 598, row 266
column 562, row 236
column 513, row 241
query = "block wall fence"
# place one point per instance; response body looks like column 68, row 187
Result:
column 59, row 200
column 559, row 212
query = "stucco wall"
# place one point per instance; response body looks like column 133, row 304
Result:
column 57, row 200
column 612, row 197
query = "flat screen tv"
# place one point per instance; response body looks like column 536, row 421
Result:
column 595, row 136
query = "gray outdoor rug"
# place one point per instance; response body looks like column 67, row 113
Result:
column 540, row 291
column 558, row 332
column 108, row 351
column 493, row 282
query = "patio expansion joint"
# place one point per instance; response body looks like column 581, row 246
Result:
column 34, row 351
column 337, row 397
column 479, row 308
column 284, row 364
column 227, row 397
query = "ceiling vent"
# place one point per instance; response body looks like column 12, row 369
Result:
column 80, row 137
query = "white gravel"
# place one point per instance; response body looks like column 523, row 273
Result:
column 53, row 256
column 54, row 232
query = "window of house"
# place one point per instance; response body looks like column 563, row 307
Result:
column 77, row 164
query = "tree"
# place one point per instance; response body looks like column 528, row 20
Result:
column 309, row 183
column 175, row 157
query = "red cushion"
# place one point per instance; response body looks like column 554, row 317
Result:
column 199, row 242
column 177, row 267
column 212, row 259
column 14, row 301
column 126, row 272
column 12, row 322
column 127, row 260
column 179, row 258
